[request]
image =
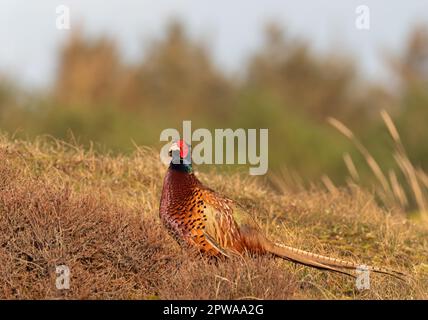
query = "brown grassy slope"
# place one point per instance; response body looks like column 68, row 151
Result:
column 98, row 215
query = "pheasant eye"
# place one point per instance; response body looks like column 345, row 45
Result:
column 184, row 149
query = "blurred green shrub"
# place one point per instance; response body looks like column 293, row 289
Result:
column 285, row 87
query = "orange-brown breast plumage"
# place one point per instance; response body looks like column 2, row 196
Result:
column 198, row 216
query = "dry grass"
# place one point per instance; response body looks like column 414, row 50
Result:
column 412, row 192
column 98, row 214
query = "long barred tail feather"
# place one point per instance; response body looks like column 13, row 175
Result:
column 327, row 263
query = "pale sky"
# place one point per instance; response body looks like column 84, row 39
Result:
column 233, row 29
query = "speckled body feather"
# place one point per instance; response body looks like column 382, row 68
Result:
column 198, row 216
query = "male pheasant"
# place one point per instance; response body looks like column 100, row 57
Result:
column 201, row 218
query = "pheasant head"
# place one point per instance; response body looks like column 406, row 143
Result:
column 181, row 155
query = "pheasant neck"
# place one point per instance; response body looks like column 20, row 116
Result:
column 183, row 167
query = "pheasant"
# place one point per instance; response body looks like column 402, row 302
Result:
column 199, row 217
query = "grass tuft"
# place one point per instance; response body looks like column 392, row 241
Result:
column 412, row 191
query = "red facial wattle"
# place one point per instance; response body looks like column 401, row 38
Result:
column 184, row 149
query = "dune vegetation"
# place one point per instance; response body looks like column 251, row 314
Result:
column 98, row 214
